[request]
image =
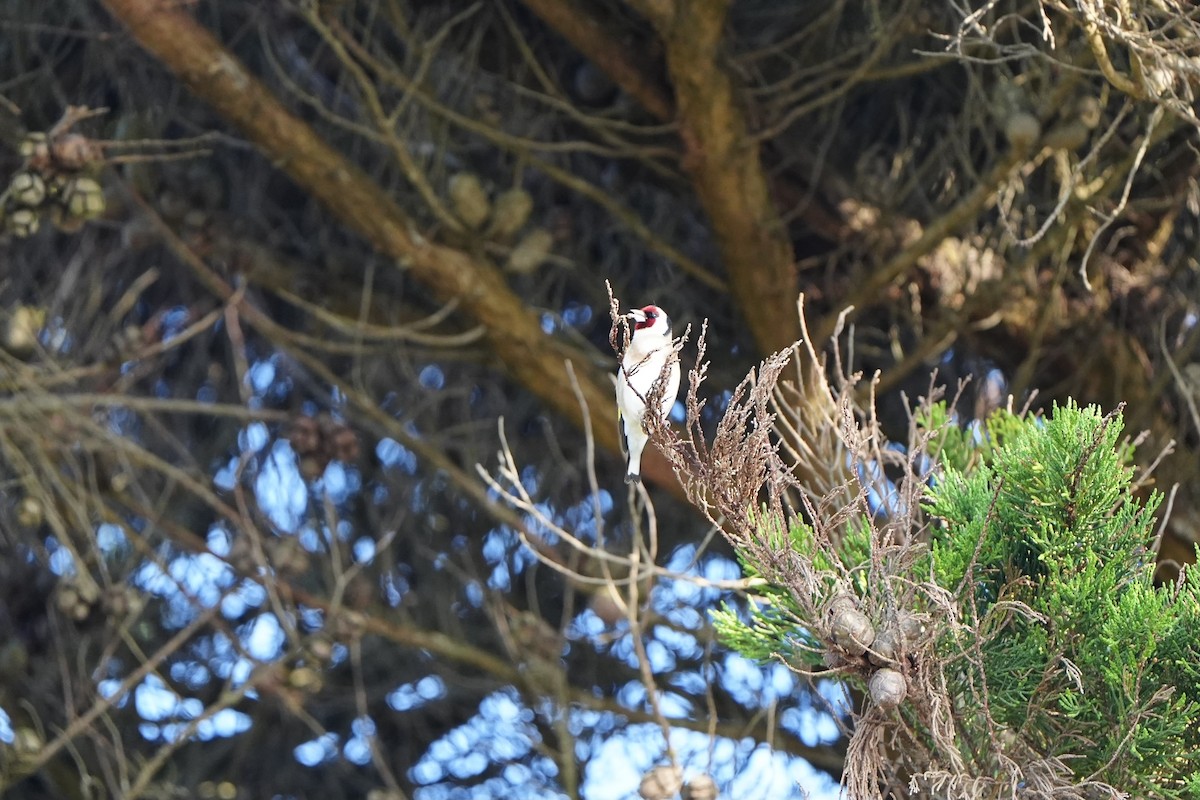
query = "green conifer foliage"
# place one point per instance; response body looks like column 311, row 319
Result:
column 1099, row 665
column 1046, row 663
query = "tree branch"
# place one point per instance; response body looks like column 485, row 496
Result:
column 727, row 172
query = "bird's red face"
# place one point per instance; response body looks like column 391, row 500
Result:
column 647, row 317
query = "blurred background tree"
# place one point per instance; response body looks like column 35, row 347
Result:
column 261, row 316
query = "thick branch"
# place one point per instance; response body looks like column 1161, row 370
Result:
column 512, row 330
column 727, row 172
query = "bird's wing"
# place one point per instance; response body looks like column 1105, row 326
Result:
column 620, row 420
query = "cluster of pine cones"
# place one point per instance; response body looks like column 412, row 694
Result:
column 55, row 181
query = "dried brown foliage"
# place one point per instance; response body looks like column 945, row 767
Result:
column 904, row 641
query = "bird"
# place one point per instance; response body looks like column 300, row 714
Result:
column 649, row 353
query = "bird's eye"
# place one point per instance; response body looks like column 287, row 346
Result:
column 651, row 315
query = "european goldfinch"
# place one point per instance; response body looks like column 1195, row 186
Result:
column 650, row 352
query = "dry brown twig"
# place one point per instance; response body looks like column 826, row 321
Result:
column 67, row 149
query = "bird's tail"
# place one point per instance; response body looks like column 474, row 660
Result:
column 633, row 459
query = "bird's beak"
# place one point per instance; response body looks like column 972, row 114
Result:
column 637, row 315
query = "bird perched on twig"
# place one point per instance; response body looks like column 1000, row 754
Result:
column 650, row 355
